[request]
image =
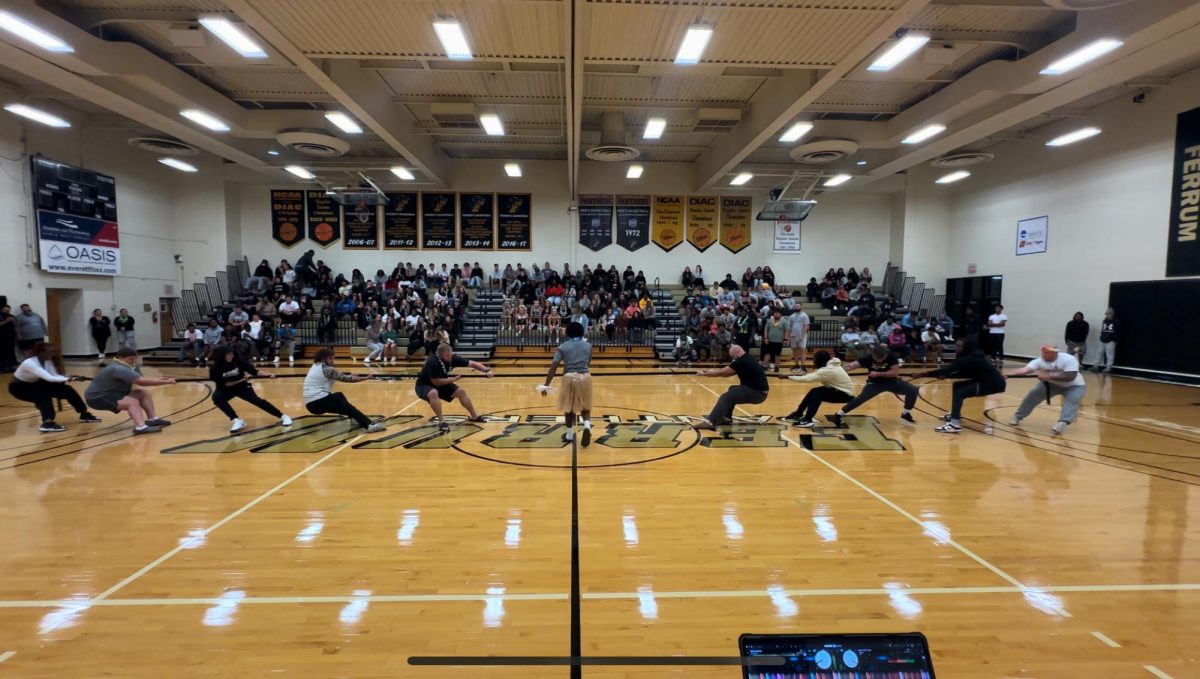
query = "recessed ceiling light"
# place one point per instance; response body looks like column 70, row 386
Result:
column 235, row 37
column 953, row 177
column 272, row 152
column 923, row 134
column 861, row 162
column 492, row 125
column 30, row 33
column 512, row 169
column 796, row 131
column 694, row 42
column 838, row 180
column 1072, row 137
column 1081, row 56
column 299, row 172
column 741, row 179
column 343, row 122
column 178, row 164
column 634, row 172
column 36, row 115
column 654, row 128
column 454, row 41
column 403, row 173
column 899, row 51
column 205, row 120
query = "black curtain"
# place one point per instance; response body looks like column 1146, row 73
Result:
column 1158, row 324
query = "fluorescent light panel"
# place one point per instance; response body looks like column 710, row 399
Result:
column 403, row 173
column 838, row 180
column 796, row 131
column 231, row 34
column 654, row 128
column 178, row 164
column 299, row 172
column 492, row 125
column 205, row 120
column 694, row 42
column 741, row 179
column 1081, row 56
column 272, row 152
column 634, row 172
column 512, row 169
column 899, row 51
column 36, row 115
column 30, row 33
column 924, row 133
column 1072, row 137
column 953, row 177
column 343, row 122
column 454, row 41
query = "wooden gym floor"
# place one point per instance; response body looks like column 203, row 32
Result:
column 319, row 552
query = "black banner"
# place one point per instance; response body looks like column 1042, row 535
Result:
column 362, row 226
column 287, row 216
column 633, row 222
column 595, row 221
column 400, row 221
column 324, row 219
column 477, row 221
column 437, row 221
column 1183, row 248
column 515, row 224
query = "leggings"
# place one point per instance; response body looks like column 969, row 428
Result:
column 966, row 390
column 222, row 397
column 42, row 393
column 336, row 404
column 895, row 386
column 101, row 342
column 818, row 395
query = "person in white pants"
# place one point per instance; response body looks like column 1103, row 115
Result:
column 1108, row 342
column 1058, row 374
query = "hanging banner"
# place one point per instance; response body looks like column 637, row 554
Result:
column 514, row 224
column 400, row 221
column 633, row 222
column 362, row 226
column 667, row 226
column 595, row 221
column 324, row 218
column 437, row 221
column 477, row 221
column 787, row 237
column 702, row 217
column 1183, row 247
column 735, row 223
column 287, row 216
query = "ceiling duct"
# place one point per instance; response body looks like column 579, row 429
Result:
column 1082, row 5
column 717, row 119
column 824, row 151
column 163, row 146
column 454, row 116
column 612, row 146
column 965, row 159
column 313, row 143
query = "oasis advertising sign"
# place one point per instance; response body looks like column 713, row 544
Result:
column 78, row 245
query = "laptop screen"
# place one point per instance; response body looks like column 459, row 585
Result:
column 821, row 656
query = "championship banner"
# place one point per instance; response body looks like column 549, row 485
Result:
column 787, row 237
column 667, row 226
column 324, row 218
column 400, row 221
column 595, row 221
column 735, row 223
column 702, row 221
column 477, row 221
column 514, row 225
column 437, row 221
column 362, row 226
column 79, row 245
column 287, row 216
column 633, row 222
column 1183, row 248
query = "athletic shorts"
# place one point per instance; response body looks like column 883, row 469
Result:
column 773, row 348
column 799, row 342
column 103, row 404
column 575, row 393
column 445, row 392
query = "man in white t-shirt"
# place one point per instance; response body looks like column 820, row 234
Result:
column 797, row 336
column 996, row 324
column 1057, row 373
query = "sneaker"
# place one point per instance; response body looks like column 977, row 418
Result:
column 949, row 428
column 100, row 356
column 146, row 430
column 907, row 417
column 275, row 360
column 1014, row 421
column 443, row 427
column 285, row 421
column 586, row 437
column 237, row 425
column 804, row 424
column 703, row 424
column 790, row 417
column 1059, row 427
column 366, row 361
column 291, row 360
column 834, row 419
column 946, row 417
column 88, row 418
column 567, row 436
column 375, row 428
column 51, row 427
column 158, row 422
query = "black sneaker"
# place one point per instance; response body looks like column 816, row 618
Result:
column 907, row 417
column 51, row 427
column 443, row 427
column 88, row 418
column 804, row 424
column 586, row 437
column 148, row 429
column 158, row 422
column 834, row 419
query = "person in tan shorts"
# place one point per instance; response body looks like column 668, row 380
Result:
column 575, row 394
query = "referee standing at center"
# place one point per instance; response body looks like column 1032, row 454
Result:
column 575, row 396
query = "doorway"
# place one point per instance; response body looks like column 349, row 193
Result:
column 166, row 327
column 64, row 316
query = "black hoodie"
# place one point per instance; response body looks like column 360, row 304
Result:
column 974, row 366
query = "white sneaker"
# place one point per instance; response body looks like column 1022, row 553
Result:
column 285, row 421
column 238, row 425
column 1059, row 427
column 375, row 427
column 1014, row 421
column 100, row 356
column 366, row 361
column 291, row 359
column 276, row 361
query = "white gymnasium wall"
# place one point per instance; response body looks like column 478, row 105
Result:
column 1107, row 199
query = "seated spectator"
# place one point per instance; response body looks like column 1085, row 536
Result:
column 193, row 345
column 687, row 277
column 684, row 352
column 285, row 343
column 932, row 341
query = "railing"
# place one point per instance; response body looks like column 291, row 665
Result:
column 599, row 336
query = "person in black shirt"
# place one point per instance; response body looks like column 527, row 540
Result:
column 435, row 383
column 982, row 379
column 1076, row 336
column 101, row 330
column 883, row 375
column 231, row 377
column 752, row 387
column 972, row 325
column 1109, row 328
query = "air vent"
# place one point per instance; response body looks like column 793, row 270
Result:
column 963, row 159
column 717, row 119
column 824, row 151
column 313, row 143
column 454, row 116
column 1083, row 5
column 612, row 147
column 163, row 146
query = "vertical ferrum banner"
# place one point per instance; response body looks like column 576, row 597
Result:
column 735, row 223
column 476, row 221
column 400, row 221
column 324, row 218
column 702, row 215
column 362, row 226
column 514, row 224
column 633, row 222
column 595, row 221
column 437, row 221
column 287, row 216
column 667, row 229
column 1183, row 247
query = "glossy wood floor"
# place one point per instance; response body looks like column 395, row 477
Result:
column 321, row 553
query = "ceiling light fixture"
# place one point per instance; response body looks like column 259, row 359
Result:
column 694, row 42
column 231, row 34
column 953, row 177
column 300, row 172
column 654, row 128
column 454, row 41
column 838, row 180
column 924, row 133
column 796, row 131
column 1081, row 56
column 634, row 172
column 899, row 51
column 178, row 164
column 205, row 120
column 741, row 179
column 861, row 162
column 403, row 173
column 36, row 115
column 492, row 125
column 272, row 152
column 512, row 169
column 30, row 33
column 1072, row 137
column 343, row 122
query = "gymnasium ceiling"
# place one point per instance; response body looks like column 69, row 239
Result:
column 558, row 71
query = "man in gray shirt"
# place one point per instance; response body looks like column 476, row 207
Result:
column 798, row 324
column 117, row 387
column 31, row 329
column 575, row 395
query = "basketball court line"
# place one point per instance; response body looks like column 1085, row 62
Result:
column 6, row 655
column 1104, row 638
column 1156, row 672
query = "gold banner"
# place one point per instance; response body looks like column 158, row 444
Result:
column 735, row 223
column 666, row 228
column 702, row 221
